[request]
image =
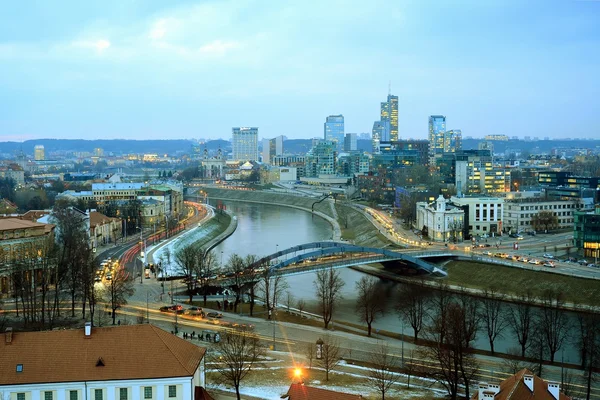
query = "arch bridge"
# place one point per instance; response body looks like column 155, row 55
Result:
column 329, row 254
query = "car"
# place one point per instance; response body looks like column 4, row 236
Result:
column 174, row 308
column 548, row 256
column 593, row 265
column 514, row 235
column 213, row 314
column 524, row 259
column 549, row 264
column 534, row 261
column 194, row 311
column 520, row 237
column 582, row 262
column 97, row 278
column 108, row 276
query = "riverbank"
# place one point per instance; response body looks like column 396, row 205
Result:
column 322, row 209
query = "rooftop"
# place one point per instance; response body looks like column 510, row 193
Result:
column 9, row 224
column 109, row 353
column 299, row 391
column 514, row 388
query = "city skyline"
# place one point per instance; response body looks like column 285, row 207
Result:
column 153, row 70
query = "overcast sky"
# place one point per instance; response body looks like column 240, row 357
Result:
column 193, row 69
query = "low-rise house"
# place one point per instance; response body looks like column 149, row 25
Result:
column 103, row 229
column 440, row 220
column 299, row 391
column 523, row 385
column 120, row 362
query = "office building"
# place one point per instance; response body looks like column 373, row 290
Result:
column 586, row 235
column 380, row 133
column 321, row 159
column 389, row 112
column 452, row 141
column 520, row 213
column 437, row 129
column 483, row 215
column 271, row 148
column 39, row 153
column 334, row 131
column 350, row 142
column 245, row 144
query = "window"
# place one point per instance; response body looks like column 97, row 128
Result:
column 73, row 395
column 123, row 394
column 20, row 396
column 48, row 396
column 172, row 391
column 147, row 392
column 98, row 394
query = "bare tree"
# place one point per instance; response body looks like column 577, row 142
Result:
column 588, row 342
column 187, row 260
column 554, row 322
column 513, row 363
column 440, row 302
column 309, row 352
column 279, row 285
column 253, row 271
column 413, row 306
column 207, row 268
column 301, row 305
column 119, row 288
column 328, row 285
column 236, row 355
column 454, row 362
column 369, row 301
column 236, row 268
column 491, row 314
column 520, row 320
column 331, row 355
column 383, row 375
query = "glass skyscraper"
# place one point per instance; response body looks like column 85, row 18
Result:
column 245, row 144
column 334, row 131
column 437, row 129
column 452, row 141
column 389, row 112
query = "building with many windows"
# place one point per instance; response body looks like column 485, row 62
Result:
column 350, row 142
column 244, row 144
column 39, row 154
column 271, row 148
column 380, row 133
column 452, row 141
column 441, row 220
column 483, row 215
column 437, row 129
column 520, row 213
column 128, row 362
column 333, row 131
column 321, row 159
column 586, row 235
column 389, row 112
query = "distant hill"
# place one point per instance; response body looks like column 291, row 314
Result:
column 534, row 146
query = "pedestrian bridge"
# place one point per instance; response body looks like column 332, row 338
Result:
column 321, row 255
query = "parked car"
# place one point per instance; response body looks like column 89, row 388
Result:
column 549, row 256
column 174, row 308
column 582, row 262
column 593, row 265
column 213, row 314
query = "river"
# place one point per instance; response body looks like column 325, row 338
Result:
column 263, row 229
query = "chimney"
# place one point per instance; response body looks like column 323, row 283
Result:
column 482, row 388
column 554, row 389
column 492, row 387
column 8, row 335
column 528, row 380
column 88, row 329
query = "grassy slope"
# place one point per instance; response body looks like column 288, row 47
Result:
column 515, row 281
column 360, row 229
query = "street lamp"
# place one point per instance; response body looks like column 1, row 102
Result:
column 319, row 354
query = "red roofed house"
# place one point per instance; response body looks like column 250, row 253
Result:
column 523, row 385
column 299, row 391
column 122, row 362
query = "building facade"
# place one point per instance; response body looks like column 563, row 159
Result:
column 350, row 142
column 483, row 215
column 321, row 159
column 99, row 364
column 442, row 221
column 452, row 141
column 437, row 129
column 244, row 144
column 586, row 234
column 389, row 113
column 333, row 131
column 103, row 229
column 271, row 148
column 39, row 154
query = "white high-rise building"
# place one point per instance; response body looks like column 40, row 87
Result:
column 271, row 148
column 245, row 144
column 39, row 154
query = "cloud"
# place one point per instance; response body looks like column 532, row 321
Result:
column 99, row 45
column 218, row 47
column 159, row 30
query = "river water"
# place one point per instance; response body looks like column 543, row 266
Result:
column 263, row 229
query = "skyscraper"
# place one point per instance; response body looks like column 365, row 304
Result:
column 245, row 144
column 452, row 141
column 271, row 148
column 380, row 133
column 321, row 159
column 350, row 142
column 389, row 112
column 334, row 130
column 39, row 153
column 437, row 128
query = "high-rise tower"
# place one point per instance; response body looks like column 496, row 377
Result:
column 245, row 144
column 437, row 129
column 334, row 131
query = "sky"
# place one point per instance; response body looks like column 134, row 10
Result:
column 155, row 69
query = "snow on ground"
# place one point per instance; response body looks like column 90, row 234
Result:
column 182, row 240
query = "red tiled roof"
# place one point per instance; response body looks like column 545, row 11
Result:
column 7, row 224
column 298, row 391
column 514, row 388
column 97, row 218
column 128, row 352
